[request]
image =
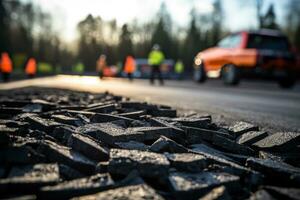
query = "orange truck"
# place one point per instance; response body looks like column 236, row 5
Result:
column 264, row 53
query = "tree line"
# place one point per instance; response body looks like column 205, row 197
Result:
column 26, row 30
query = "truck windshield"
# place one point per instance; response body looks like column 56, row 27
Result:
column 266, row 42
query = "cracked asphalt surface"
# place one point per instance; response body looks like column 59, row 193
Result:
column 262, row 103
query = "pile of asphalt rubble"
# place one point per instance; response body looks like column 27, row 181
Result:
column 61, row 144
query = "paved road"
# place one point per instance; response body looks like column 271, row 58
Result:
column 260, row 102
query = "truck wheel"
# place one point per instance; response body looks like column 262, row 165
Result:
column 199, row 74
column 287, row 82
column 230, row 75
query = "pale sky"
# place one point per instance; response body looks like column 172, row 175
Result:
column 67, row 13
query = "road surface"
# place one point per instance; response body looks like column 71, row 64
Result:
column 262, row 103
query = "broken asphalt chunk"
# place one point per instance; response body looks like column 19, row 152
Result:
column 132, row 145
column 102, row 118
column 67, row 120
column 277, row 173
column 132, row 192
column 88, row 147
column 189, row 162
column 64, row 155
column 164, row 144
column 133, row 115
column 36, row 122
column 29, row 178
column 231, row 146
column 282, row 142
column 251, row 137
column 110, row 133
column 193, row 122
column 198, row 135
column 77, row 187
column 190, row 186
column 261, row 195
column 148, row 164
column 283, row 193
column 102, row 108
column 153, row 133
column 241, row 127
column 218, row 193
column 23, row 154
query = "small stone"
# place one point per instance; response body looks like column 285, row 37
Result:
column 28, row 179
column 188, row 161
column 231, row 146
column 110, row 133
column 164, row 144
column 218, row 193
column 148, row 164
column 88, row 147
column 241, row 127
column 190, row 186
column 64, row 155
column 132, row 145
column 77, row 187
column 282, row 141
column 141, row 192
column 251, row 137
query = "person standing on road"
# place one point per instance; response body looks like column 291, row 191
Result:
column 5, row 66
column 155, row 59
column 101, row 64
column 30, row 68
column 129, row 66
column 179, row 69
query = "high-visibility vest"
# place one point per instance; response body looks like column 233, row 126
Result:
column 179, row 67
column 5, row 64
column 156, row 57
column 31, row 67
column 129, row 65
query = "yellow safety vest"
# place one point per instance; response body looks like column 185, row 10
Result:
column 156, row 57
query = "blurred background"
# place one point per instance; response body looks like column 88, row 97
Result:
column 66, row 36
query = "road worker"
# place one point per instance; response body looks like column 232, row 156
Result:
column 101, row 65
column 6, row 66
column 30, row 68
column 129, row 66
column 179, row 69
column 155, row 59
